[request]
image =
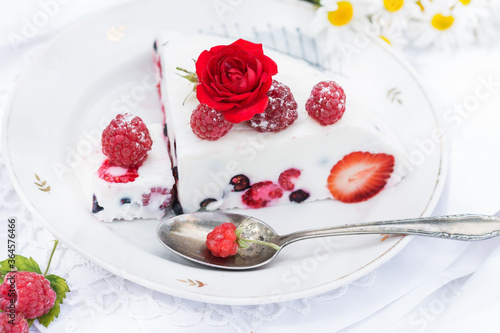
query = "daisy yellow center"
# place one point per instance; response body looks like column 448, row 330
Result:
column 441, row 22
column 385, row 39
column 465, row 2
column 342, row 15
column 420, row 5
column 393, row 5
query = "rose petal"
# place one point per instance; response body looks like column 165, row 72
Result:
column 205, row 98
column 249, row 46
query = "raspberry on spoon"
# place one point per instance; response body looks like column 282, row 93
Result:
column 225, row 240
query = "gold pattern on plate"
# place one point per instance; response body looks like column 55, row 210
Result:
column 193, row 282
column 393, row 95
column 41, row 184
column 114, row 34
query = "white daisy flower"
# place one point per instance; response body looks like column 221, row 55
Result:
column 393, row 36
column 495, row 9
column 395, row 14
column 478, row 14
column 336, row 21
column 436, row 25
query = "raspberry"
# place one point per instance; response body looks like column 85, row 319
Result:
column 260, row 194
column 298, row 196
column 285, row 179
column 126, row 141
column 240, row 183
column 161, row 192
column 222, row 241
column 33, row 294
column 129, row 176
column 20, row 324
column 208, row 123
column 326, row 103
column 281, row 110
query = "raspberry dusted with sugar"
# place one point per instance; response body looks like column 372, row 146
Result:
column 208, row 123
column 13, row 323
column 285, row 179
column 222, row 241
column 326, row 103
column 32, row 296
column 126, row 141
column 281, row 110
column 260, row 194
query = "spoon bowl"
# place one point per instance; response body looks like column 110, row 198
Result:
column 186, row 234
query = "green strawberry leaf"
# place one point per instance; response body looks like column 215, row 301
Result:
column 21, row 263
column 59, row 285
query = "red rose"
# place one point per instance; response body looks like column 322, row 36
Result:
column 234, row 79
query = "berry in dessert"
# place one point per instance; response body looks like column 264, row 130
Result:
column 286, row 126
column 130, row 175
column 225, row 240
column 359, row 176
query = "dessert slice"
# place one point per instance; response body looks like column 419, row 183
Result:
column 261, row 159
column 128, row 183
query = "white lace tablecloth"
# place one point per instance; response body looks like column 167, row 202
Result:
column 431, row 285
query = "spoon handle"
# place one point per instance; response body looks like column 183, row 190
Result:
column 461, row 227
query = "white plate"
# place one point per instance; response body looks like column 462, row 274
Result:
column 102, row 66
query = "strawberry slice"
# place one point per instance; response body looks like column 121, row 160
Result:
column 359, row 176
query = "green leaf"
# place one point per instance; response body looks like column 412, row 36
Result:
column 59, row 285
column 21, row 263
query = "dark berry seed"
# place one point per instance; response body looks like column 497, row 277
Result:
column 299, row 196
column 240, row 183
column 206, row 202
column 95, row 205
column 124, row 201
column 165, row 130
column 155, row 47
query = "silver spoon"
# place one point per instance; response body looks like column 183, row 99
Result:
column 186, row 234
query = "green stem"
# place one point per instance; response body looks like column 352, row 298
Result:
column 183, row 70
column 274, row 246
column 51, row 255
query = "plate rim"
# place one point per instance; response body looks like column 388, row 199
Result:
column 185, row 293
